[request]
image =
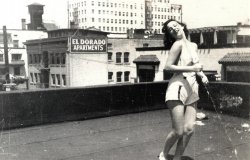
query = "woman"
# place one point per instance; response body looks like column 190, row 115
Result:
column 182, row 91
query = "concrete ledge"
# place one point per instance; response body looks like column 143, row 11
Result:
column 27, row 108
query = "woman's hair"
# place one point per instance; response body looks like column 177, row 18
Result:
column 168, row 38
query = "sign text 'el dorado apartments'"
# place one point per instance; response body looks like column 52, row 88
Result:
column 88, row 44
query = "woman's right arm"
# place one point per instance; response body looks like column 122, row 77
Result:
column 174, row 53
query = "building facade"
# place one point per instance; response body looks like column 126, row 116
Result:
column 17, row 55
column 119, row 16
column 54, row 63
column 158, row 11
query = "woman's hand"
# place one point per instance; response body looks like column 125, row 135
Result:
column 204, row 79
column 197, row 67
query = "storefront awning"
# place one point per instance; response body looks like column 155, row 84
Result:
column 147, row 59
column 235, row 58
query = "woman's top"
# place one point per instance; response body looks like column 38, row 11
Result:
column 183, row 85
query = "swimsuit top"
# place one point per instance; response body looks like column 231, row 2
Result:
column 188, row 57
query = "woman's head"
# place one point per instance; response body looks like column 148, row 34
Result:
column 173, row 30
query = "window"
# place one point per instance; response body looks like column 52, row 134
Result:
column 126, row 76
column 15, row 44
column 58, row 78
column 36, row 58
column 39, row 77
column 35, row 78
column 145, row 44
column 64, row 80
column 110, row 76
column 31, row 78
column 16, row 57
column 126, row 57
column 17, row 71
column 119, row 76
column 109, row 45
column 1, row 57
column 53, row 79
column 63, row 58
column 110, row 56
column 58, row 58
column 52, row 58
column 118, row 57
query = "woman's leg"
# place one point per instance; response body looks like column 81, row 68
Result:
column 177, row 116
column 190, row 117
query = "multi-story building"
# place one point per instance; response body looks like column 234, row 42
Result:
column 65, row 58
column 79, row 57
column 17, row 56
column 119, row 16
column 158, row 11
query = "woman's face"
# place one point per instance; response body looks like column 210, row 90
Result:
column 175, row 29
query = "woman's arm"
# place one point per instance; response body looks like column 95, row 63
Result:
column 201, row 73
column 172, row 57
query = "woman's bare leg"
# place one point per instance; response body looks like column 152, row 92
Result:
column 177, row 116
column 190, row 117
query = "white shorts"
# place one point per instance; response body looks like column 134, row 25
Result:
column 184, row 89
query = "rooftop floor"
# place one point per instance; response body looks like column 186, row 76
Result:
column 138, row 136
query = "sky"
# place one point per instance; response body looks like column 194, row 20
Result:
column 196, row 13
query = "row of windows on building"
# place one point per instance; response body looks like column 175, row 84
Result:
column 120, row 76
column 14, row 57
column 105, row 4
column 58, row 80
column 35, row 78
column 107, row 20
column 107, row 12
column 104, row 28
column 124, row 21
column 116, row 13
column 17, row 71
column 115, row 5
column 118, row 58
column 159, row 9
column 156, row 16
column 54, row 58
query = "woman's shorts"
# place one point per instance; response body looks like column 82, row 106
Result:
column 184, row 89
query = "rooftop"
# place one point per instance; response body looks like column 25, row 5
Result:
column 137, row 136
column 236, row 57
column 147, row 59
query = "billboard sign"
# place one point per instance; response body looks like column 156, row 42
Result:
column 88, row 44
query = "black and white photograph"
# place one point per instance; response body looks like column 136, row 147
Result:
column 125, row 80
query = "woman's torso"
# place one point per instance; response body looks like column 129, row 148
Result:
column 187, row 57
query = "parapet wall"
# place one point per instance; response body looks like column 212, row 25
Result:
column 27, row 108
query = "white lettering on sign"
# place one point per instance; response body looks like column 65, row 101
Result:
column 88, row 45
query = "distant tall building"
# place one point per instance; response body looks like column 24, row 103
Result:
column 158, row 11
column 119, row 16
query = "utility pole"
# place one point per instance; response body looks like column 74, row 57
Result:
column 5, row 43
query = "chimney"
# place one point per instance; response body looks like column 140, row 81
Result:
column 23, row 24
